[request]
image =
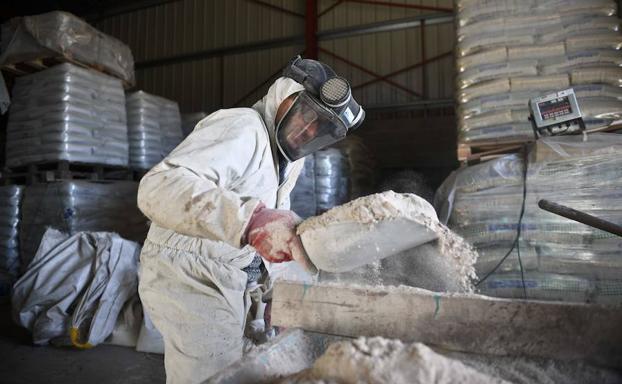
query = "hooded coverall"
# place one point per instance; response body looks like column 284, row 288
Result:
column 200, row 199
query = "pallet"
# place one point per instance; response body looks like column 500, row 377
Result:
column 64, row 170
column 475, row 153
column 40, row 64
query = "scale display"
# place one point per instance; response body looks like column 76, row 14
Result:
column 554, row 109
column 556, row 113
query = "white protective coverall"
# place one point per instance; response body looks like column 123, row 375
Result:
column 200, row 199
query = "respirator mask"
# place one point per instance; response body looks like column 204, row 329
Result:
column 321, row 115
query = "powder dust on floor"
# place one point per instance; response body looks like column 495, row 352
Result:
column 383, row 361
column 23, row 363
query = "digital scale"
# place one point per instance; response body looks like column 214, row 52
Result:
column 556, row 114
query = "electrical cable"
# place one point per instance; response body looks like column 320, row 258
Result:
column 515, row 244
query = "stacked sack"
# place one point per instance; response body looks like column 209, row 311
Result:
column 332, row 177
column 76, row 205
column 10, row 202
column 67, row 113
column 510, row 51
column 362, row 166
column 302, row 198
column 154, row 128
column 562, row 259
column 55, row 34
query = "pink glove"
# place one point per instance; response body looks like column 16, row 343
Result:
column 272, row 232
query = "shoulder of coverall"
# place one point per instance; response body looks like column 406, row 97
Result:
column 227, row 118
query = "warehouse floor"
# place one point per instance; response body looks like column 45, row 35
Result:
column 23, row 363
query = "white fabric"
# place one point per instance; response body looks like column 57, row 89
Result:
column 200, row 199
column 76, row 281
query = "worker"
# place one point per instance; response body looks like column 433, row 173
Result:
column 219, row 201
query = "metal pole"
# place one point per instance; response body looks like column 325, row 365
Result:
column 221, row 81
column 581, row 217
column 311, row 45
column 423, row 60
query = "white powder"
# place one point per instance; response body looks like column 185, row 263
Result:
column 445, row 264
column 366, row 230
column 372, row 209
column 379, row 360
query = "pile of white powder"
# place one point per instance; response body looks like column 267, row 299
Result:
column 379, row 360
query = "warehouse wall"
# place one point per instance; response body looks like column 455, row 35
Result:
column 190, row 26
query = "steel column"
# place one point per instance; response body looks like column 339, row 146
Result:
column 311, row 46
column 221, row 83
column 423, row 59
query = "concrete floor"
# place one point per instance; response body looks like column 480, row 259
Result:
column 21, row 362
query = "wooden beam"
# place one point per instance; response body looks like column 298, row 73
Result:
column 458, row 322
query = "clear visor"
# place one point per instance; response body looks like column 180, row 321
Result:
column 307, row 127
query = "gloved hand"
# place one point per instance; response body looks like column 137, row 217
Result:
column 272, row 232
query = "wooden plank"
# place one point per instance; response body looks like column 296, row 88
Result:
column 458, row 322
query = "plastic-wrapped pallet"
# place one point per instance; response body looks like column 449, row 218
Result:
column 190, row 120
column 302, row 197
column 54, row 34
column 362, row 165
column 77, row 205
column 154, row 128
column 67, row 113
column 509, row 51
column 561, row 258
column 332, row 173
column 171, row 127
column 323, row 183
column 10, row 202
column 334, row 176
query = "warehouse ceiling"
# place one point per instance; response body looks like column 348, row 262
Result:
column 92, row 10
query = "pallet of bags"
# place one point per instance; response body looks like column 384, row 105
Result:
column 76, row 205
column 560, row 258
column 334, row 176
column 154, row 128
column 67, row 113
column 10, row 215
column 10, row 205
column 511, row 51
column 32, row 43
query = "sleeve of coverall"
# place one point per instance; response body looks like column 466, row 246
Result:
column 192, row 190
